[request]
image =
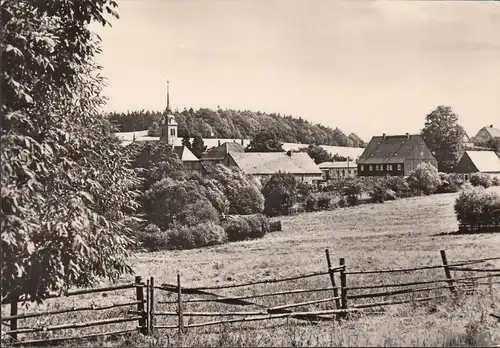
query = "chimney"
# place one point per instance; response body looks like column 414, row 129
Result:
column 218, row 142
column 289, row 153
column 242, row 141
column 408, row 136
column 491, row 126
column 383, row 136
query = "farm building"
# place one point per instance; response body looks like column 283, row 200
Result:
column 265, row 164
column 218, row 154
column 395, row 155
column 471, row 162
column 485, row 134
column 338, row 170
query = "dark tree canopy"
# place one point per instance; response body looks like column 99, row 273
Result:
column 266, row 140
column 443, row 135
column 198, row 146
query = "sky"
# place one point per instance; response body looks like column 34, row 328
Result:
column 368, row 67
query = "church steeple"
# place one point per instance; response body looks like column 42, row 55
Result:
column 168, row 98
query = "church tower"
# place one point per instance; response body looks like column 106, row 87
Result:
column 168, row 131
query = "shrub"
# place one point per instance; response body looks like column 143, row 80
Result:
column 245, row 227
column 319, row 201
column 398, row 185
column 477, row 208
column 381, row 193
column 480, row 179
column 198, row 212
column 424, row 179
column 280, row 193
column 495, row 181
column 201, row 235
column 152, row 238
column 449, row 183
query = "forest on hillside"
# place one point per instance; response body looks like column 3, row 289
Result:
column 233, row 124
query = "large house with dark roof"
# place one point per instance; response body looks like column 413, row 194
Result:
column 471, row 162
column 394, row 155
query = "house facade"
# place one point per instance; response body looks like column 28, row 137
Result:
column 264, row 164
column 335, row 171
column 394, row 155
column 472, row 162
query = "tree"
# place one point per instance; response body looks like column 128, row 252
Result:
column 198, row 147
column 154, row 130
column 266, row 140
column 65, row 177
column 494, row 144
column 186, row 142
column 443, row 136
column 280, row 194
column 317, row 153
column 424, row 179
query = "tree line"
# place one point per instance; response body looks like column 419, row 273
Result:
column 236, row 124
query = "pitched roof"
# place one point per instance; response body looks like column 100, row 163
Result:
column 394, row 149
column 221, row 151
column 494, row 132
column 185, row 155
column 485, row 161
column 332, row 165
column 273, row 162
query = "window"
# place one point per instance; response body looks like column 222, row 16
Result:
column 466, row 176
column 349, row 172
column 370, row 168
column 362, row 167
column 389, row 167
column 376, row 168
column 400, row 167
column 362, row 178
column 172, row 131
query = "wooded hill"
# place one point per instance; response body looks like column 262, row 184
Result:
column 236, row 124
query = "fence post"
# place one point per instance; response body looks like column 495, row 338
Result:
column 152, row 305
column 148, row 321
column 343, row 286
column 447, row 271
column 179, row 304
column 13, row 311
column 332, row 279
column 139, row 291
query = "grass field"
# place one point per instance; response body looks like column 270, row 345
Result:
column 403, row 233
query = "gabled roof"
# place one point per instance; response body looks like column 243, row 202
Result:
column 272, row 162
column 494, row 132
column 395, row 149
column 221, row 151
column 185, row 155
column 485, row 161
column 335, row 165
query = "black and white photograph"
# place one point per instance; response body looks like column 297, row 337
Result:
column 250, row 173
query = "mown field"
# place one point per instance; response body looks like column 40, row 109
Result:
column 403, row 233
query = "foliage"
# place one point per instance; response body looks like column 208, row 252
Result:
column 241, row 190
column 169, row 202
column 443, row 136
column 154, row 129
column 66, row 186
column 449, row 183
column 398, row 185
column 154, row 161
column 495, row 181
column 198, row 146
column 317, row 201
column 152, row 238
column 380, row 192
column 424, row 179
column 480, row 179
column 477, row 208
column 186, row 142
column 266, row 140
column 236, row 124
column 245, row 227
column 317, row 153
column 201, row 235
column 280, row 193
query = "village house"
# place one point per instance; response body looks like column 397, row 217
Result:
column 395, row 155
column 486, row 134
column 338, row 170
column 471, row 162
column 264, row 164
column 218, row 154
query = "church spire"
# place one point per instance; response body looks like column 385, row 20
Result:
column 168, row 97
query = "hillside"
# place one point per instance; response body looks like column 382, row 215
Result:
column 235, row 124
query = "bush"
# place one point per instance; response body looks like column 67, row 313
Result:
column 152, row 238
column 245, row 227
column 424, row 179
column 495, row 181
column 477, row 208
column 449, row 183
column 317, row 201
column 480, row 179
column 398, row 185
column 280, row 194
column 381, row 193
column 201, row 235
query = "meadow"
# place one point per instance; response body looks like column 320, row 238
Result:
column 402, row 233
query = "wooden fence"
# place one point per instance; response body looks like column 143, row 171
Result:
column 342, row 299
